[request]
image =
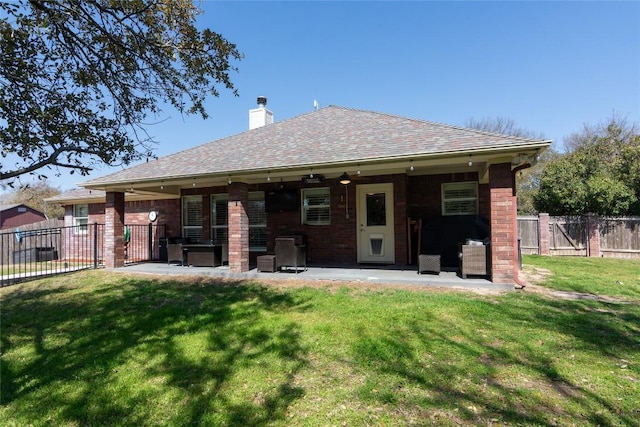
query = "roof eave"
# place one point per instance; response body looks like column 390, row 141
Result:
column 214, row 178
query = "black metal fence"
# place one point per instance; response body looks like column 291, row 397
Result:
column 29, row 252
column 142, row 242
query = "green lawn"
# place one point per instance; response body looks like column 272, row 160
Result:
column 605, row 276
column 100, row 348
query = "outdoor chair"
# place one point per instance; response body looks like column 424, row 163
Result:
column 290, row 252
column 174, row 253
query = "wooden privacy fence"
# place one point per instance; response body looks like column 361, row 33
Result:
column 591, row 235
column 43, row 234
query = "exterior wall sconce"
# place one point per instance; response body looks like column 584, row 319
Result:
column 470, row 161
column 411, row 167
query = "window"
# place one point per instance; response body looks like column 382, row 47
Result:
column 192, row 217
column 316, row 206
column 219, row 217
column 257, row 222
column 460, row 198
column 81, row 218
column 255, row 212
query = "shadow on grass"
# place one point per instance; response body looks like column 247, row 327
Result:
column 122, row 353
column 461, row 375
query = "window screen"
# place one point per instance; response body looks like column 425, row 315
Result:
column 316, row 206
column 192, row 217
column 81, row 218
column 460, row 198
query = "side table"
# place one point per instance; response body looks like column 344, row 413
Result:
column 267, row 263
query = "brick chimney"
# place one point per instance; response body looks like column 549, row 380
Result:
column 260, row 116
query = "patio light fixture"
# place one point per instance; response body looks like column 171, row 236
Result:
column 344, row 179
column 470, row 161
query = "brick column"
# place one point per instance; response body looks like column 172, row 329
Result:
column 543, row 234
column 238, row 227
column 504, row 224
column 593, row 236
column 114, row 230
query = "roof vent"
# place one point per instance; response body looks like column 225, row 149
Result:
column 259, row 117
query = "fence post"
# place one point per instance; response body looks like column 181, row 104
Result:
column 593, row 235
column 150, row 241
column 543, row 234
column 95, row 245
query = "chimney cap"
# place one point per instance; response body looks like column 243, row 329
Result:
column 262, row 101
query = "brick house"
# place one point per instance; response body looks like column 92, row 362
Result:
column 18, row 214
column 360, row 186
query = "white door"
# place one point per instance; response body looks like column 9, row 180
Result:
column 375, row 223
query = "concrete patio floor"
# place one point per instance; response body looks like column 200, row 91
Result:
column 400, row 275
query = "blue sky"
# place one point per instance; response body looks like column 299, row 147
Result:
column 549, row 66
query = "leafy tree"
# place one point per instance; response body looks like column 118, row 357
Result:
column 600, row 175
column 33, row 195
column 527, row 179
column 80, row 78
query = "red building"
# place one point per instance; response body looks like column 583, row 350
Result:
column 17, row 215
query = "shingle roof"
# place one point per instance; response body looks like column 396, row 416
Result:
column 327, row 136
column 76, row 194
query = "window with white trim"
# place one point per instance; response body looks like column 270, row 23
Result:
column 460, row 198
column 192, row 217
column 316, row 206
column 255, row 212
column 81, row 218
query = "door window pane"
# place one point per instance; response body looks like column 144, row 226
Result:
column 376, row 209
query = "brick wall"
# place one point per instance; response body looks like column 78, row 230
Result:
column 114, row 230
column 238, row 227
column 504, row 222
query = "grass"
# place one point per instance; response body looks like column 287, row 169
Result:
column 603, row 276
column 34, row 268
column 101, row 348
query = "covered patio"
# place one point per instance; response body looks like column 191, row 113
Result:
column 383, row 275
